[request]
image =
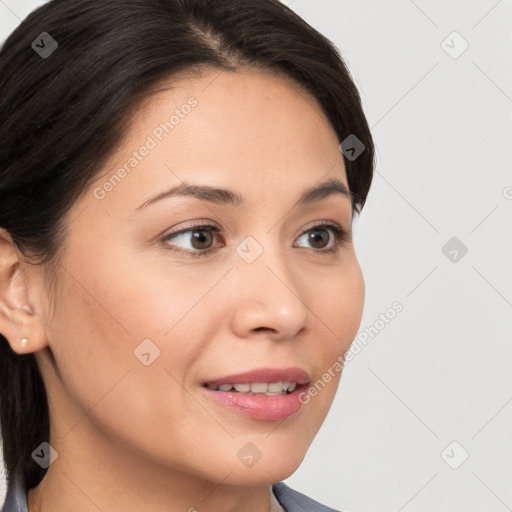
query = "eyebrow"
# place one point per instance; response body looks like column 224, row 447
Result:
column 230, row 198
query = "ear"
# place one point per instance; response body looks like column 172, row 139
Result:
column 19, row 317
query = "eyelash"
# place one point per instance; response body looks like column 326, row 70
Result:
column 340, row 238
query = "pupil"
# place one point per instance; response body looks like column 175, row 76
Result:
column 314, row 238
column 198, row 236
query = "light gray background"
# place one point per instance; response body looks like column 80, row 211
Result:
column 440, row 371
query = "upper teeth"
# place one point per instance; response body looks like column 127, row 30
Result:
column 272, row 388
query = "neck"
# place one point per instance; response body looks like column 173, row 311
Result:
column 102, row 475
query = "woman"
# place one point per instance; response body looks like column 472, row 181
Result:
column 178, row 283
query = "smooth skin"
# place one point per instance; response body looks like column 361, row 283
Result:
column 132, row 437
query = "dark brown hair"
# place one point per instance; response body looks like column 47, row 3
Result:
column 62, row 115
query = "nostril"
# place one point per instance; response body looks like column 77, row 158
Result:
column 264, row 329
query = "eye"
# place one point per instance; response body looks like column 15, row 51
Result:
column 320, row 235
column 200, row 241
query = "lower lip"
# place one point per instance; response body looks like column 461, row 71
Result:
column 260, row 407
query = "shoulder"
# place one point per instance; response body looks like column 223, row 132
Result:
column 295, row 501
column 16, row 497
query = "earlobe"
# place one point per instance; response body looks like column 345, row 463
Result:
column 20, row 323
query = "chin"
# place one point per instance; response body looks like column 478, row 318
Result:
column 274, row 465
column 260, row 474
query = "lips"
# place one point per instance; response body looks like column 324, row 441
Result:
column 262, row 375
column 273, row 406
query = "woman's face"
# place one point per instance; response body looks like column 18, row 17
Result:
column 144, row 316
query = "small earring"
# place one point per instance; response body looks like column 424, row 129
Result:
column 24, row 342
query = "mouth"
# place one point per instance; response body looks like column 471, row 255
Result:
column 264, row 394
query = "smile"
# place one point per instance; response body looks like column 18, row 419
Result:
column 258, row 388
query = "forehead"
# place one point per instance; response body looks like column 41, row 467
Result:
column 249, row 107
column 250, row 131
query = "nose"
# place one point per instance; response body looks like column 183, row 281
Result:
column 268, row 298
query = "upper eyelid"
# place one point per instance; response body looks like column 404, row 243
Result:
column 215, row 228
column 196, row 227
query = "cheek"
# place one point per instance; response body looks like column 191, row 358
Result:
column 341, row 306
column 101, row 379
column 108, row 310
column 338, row 314
column 352, row 301
column 91, row 348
